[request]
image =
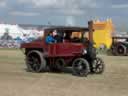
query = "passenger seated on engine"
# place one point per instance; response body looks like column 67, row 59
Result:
column 58, row 36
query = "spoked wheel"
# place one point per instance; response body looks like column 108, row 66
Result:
column 58, row 65
column 98, row 66
column 35, row 61
column 81, row 67
column 121, row 50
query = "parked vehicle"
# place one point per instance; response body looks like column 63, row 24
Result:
column 120, row 46
column 74, row 52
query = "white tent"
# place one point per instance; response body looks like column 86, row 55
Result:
column 17, row 31
column 13, row 30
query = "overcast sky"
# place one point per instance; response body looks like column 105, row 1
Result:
column 63, row 12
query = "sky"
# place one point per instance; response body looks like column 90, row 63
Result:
column 64, row 12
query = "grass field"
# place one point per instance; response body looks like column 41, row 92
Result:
column 16, row 81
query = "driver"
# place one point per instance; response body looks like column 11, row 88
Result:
column 53, row 37
column 50, row 38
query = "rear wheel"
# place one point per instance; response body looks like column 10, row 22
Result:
column 35, row 61
column 98, row 66
column 80, row 67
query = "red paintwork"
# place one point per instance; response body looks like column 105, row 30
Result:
column 57, row 49
column 34, row 44
column 64, row 49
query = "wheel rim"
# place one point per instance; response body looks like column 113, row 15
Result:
column 60, row 64
column 80, row 67
column 98, row 65
column 120, row 50
column 34, row 63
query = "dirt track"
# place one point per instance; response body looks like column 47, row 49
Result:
column 15, row 81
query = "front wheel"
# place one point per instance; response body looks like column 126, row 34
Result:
column 98, row 66
column 121, row 50
column 80, row 67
